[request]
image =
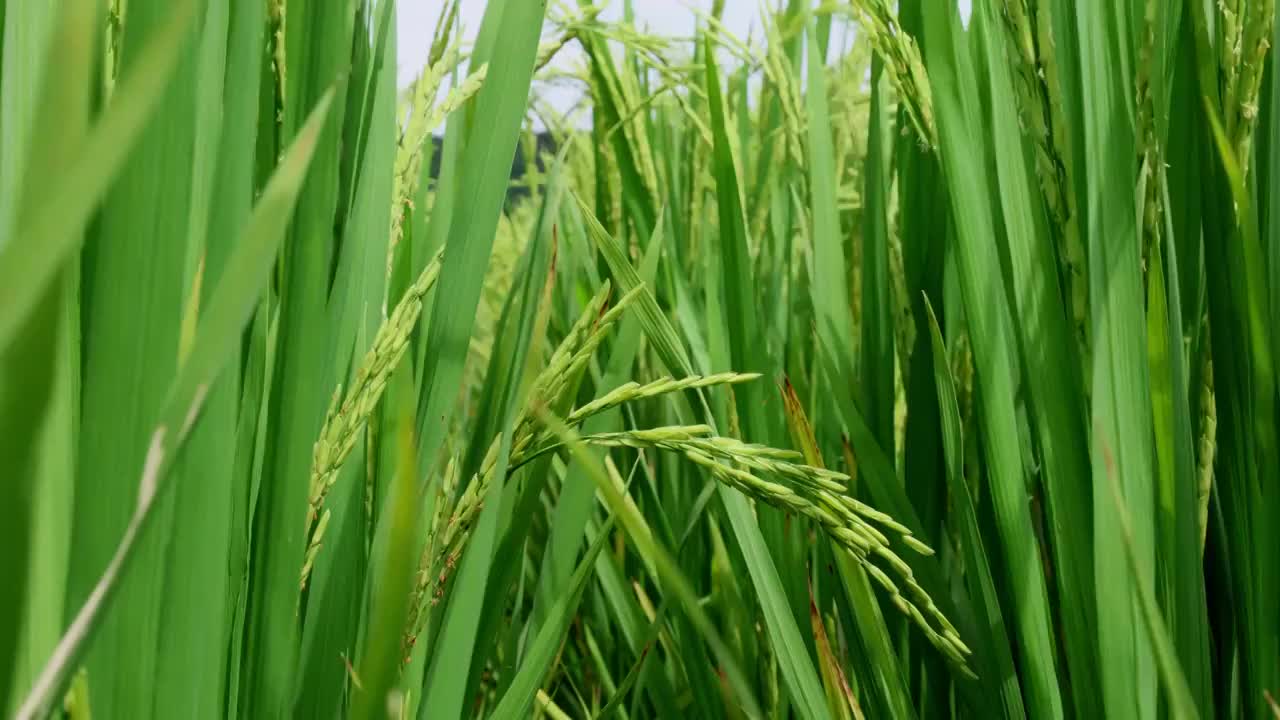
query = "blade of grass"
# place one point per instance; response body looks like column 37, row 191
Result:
column 234, row 193
column 515, row 703
column 25, row 36
column 877, row 364
column 485, row 161
column 193, row 624
column 446, row 681
column 1120, row 427
column 664, row 565
column 784, row 632
column 134, row 267
column 746, row 352
column 1181, row 704
column 34, row 389
column 230, row 306
column 1177, row 267
column 954, row 92
column 576, row 500
column 658, row 622
column 1001, row 672
column 48, row 228
column 1249, row 389
column 830, row 289
column 1049, row 354
column 882, row 673
column 332, row 618
column 391, row 592
column 306, row 358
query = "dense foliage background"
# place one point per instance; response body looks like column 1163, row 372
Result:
column 885, row 365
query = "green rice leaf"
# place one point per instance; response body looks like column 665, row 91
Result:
column 662, row 563
column 1121, row 424
column 47, row 226
column 991, row 332
column 1000, row 675
column 229, row 308
column 515, row 703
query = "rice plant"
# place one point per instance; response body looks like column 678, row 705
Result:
column 902, row 359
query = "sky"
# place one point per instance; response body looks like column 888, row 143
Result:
column 417, row 18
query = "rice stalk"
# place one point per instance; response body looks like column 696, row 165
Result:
column 902, row 60
column 429, row 588
column 114, row 33
column 453, row 520
column 1206, row 446
column 1038, row 90
column 1150, row 156
column 424, row 117
column 1243, row 100
column 633, row 391
column 904, row 322
column 778, row 71
column 345, row 420
column 570, row 29
column 1230, row 52
column 845, row 519
column 456, row 98
column 277, row 13
column 1091, row 86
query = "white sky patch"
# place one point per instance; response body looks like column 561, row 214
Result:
column 416, row 19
